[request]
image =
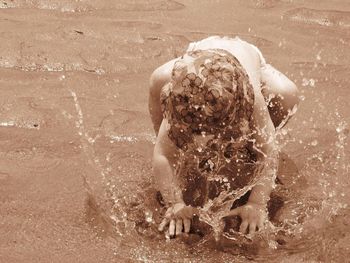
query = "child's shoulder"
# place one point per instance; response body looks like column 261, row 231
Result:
column 212, row 42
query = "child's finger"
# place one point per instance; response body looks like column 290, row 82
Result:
column 234, row 212
column 187, row 225
column 252, row 228
column 243, row 227
column 188, row 212
column 261, row 224
column 195, row 211
column 172, row 227
column 163, row 224
column 169, row 213
column 179, row 226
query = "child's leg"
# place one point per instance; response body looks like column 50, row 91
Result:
column 159, row 78
column 280, row 92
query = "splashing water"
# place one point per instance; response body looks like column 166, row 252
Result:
column 110, row 195
column 215, row 210
column 315, row 197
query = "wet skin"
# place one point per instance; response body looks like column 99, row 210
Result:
column 265, row 117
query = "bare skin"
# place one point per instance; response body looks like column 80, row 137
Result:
column 265, row 117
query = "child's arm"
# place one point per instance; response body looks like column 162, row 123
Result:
column 254, row 213
column 164, row 158
column 267, row 151
column 281, row 93
column 178, row 215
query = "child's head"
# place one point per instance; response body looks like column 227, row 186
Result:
column 205, row 93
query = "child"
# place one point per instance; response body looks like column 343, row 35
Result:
column 210, row 113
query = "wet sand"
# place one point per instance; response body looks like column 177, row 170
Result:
column 74, row 125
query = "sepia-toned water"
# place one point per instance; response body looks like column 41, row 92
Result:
column 76, row 139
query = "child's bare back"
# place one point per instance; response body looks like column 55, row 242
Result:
column 215, row 129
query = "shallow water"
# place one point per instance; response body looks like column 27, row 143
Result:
column 76, row 139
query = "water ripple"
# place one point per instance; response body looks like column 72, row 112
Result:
column 327, row 18
column 90, row 5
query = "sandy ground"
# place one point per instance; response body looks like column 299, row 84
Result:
column 73, row 84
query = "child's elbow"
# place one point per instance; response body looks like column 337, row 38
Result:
column 293, row 93
column 159, row 160
column 156, row 159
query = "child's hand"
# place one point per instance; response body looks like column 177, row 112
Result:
column 178, row 217
column 253, row 215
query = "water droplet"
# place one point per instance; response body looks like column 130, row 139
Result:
column 312, row 82
column 314, row 143
column 305, row 82
column 148, row 216
column 308, row 82
column 100, row 71
column 318, row 56
column 284, row 132
column 272, row 244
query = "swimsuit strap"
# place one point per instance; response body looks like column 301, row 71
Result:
column 209, row 94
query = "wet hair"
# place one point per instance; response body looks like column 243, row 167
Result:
column 209, row 93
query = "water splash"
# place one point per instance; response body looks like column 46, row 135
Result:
column 95, row 177
column 134, row 138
